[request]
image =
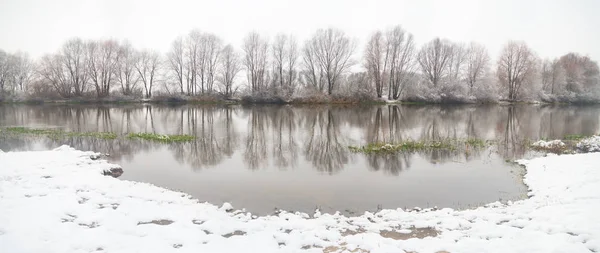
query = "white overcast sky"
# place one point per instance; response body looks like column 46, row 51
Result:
column 551, row 28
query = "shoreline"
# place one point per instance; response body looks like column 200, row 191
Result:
column 240, row 102
column 248, row 100
column 81, row 205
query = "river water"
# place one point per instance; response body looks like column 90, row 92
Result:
column 296, row 158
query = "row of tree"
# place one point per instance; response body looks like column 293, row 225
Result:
column 392, row 67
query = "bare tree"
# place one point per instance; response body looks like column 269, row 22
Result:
column 457, row 61
column 103, row 57
column 285, row 54
column 435, row 58
column 230, row 67
column 580, row 72
column 15, row 71
column 176, row 60
column 330, row 52
column 477, row 64
column 516, row 66
column 4, row 71
column 147, row 66
column 193, row 52
column 255, row 60
column 23, row 70
column 291, row 62
column 552, row 76
column 211, row 54
column 126, row 73
column 376, row 59
column 75, row 60
column 53, row 70
column 312, row 75
column 278, row 51
column 400, row 48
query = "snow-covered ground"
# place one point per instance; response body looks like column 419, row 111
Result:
column 548, row 144
column 59, row 201
column 590, row 144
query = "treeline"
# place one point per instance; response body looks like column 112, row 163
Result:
column 326, row 67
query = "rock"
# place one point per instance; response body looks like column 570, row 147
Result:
column 113, row 172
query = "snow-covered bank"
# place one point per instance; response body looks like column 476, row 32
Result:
column 58, row 201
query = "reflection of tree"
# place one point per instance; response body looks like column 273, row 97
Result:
column 208, row 148
column 230, row 139
column 275, row 130
column 117, row 148
column 256, row 144
column 148, row 120
column 387, row 128
column 556, row 121
column 205, row 150
column 390, row 163
column 15, row 143
column 284, row 145
column 441, row 127
column 427, row 124
column 513, row 142
column 323, row 148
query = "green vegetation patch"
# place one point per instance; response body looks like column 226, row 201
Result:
column 57, row 133
column 575, row 137
column 99, row 135
column 25, row 130
column 161, row 137
column 404, row 146
column 407, row 146
column 475, row 142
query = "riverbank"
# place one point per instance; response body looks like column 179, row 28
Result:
column 273, row 100
column 61, row 202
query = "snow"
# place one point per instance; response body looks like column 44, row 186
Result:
column 227, row 207
column 591, row 144
column 548, row 144
column 59, row 201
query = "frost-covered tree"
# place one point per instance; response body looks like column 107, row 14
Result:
column 327, row 56
column 127, row 76
column 516, row 67
column 435, row 59
column 457, row 62
column 147, row 65
column 177, row 65
column 103, row 58
column 74, row 58
column 400, row 46
column 255, row 60
column 284, row 53
column 4, row 71
column 53, row 71
column 552, row 76
column 389, row 60
column 477, row 65
column 23, row 70
column 202, row 51
column 230, row 67
column 376, row 61
column 581, row 73
column 211, row 53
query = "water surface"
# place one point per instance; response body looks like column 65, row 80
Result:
column 297, row 157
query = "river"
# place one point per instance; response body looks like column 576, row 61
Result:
column 296, row 158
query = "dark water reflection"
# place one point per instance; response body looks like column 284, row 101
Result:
column 296, row 158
